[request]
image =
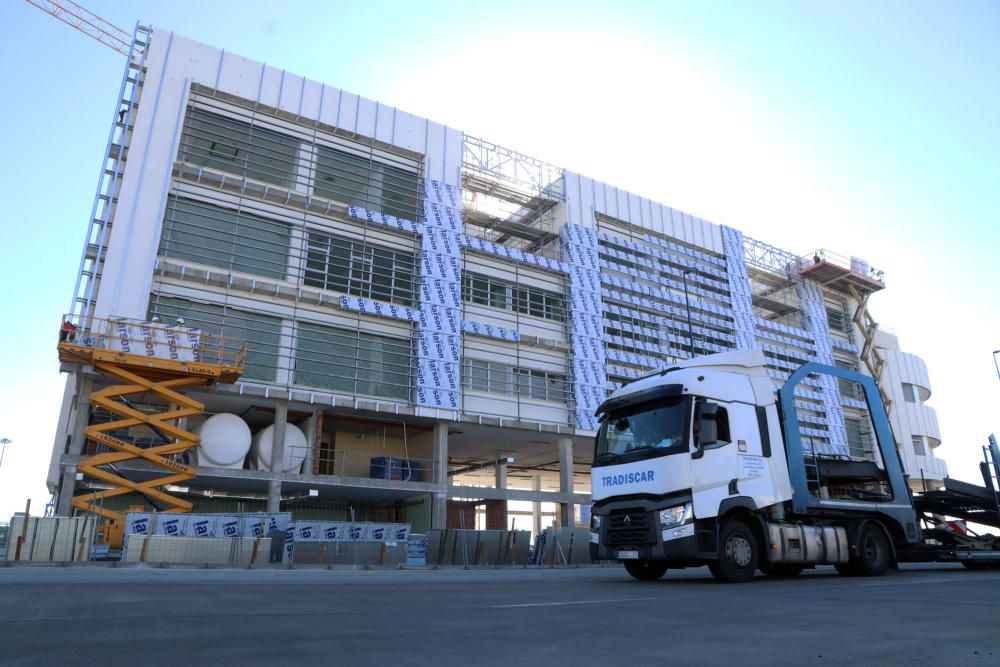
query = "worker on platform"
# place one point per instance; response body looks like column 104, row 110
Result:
column 67, row 333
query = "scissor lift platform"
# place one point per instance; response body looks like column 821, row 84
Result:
column 147, row 357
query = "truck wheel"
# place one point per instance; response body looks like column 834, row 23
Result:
column 873, row 557
column 738, row 553
column 646, row 570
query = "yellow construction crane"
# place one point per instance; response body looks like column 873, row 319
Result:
column 150, row 359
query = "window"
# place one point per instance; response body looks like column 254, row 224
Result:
column 859, row 437
column 837, row 320
column 365, row 182
column 910, row 393
column 226, row 238
column 487, row 376
column 498, row 378
column 237, row 147
column 261, row 332
column 496, row 293
column 352, row 361
column 361, row 269
column 849, row 388
column 918, row 445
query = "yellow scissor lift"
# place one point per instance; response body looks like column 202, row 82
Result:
column 149, row 359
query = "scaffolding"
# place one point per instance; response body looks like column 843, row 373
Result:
column 155, row 361
column 509, row 198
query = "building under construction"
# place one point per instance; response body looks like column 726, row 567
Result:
column 363, row 314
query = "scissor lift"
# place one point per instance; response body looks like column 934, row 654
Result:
column 153, row 360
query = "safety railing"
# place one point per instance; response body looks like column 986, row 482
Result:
column 154, row 340
column 855, row 265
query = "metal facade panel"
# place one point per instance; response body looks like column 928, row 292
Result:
column 290, row 94
column 313, row 94
column 365, row 117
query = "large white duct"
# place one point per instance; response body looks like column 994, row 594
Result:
column 295, row 448
column 225, row 441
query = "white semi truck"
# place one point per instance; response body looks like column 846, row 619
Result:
column 704, row 464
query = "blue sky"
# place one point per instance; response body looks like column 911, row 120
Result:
column 863, row 127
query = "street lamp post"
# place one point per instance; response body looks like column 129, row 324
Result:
column 995, row 362
column 3, row 448
column 687, row 307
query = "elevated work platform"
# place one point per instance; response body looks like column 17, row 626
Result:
column 840, row 273
column 153, row 349
column 154, row 361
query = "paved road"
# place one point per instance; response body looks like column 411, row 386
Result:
column 928, row 615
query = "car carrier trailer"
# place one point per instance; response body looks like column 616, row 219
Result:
column 704, row 463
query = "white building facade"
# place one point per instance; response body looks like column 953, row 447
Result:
column 409, row 291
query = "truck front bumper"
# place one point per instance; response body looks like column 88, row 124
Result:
column 681, row 546
column 630, row 529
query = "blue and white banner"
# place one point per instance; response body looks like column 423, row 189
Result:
column 390, row 221
column 379, row 308
column 346, row 531
column 490, row 331
column 243, row 525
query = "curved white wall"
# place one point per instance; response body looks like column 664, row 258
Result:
column 911, row 418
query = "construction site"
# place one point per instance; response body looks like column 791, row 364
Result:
column 310, row 327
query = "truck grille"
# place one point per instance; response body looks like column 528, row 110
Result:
column 629, row 527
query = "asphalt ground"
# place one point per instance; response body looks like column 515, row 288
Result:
column 920, row 615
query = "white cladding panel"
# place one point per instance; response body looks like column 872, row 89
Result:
column 588, row 197
column 173, row 63
column 911, row 419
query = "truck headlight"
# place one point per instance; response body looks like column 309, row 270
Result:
column 595, row 523
column 675, row 516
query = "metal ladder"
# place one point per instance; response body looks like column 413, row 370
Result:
column 108, row 184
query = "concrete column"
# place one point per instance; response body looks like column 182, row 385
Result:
column 82, row 418
column 277, row 456
column 566, row 510
column 439, row 511
column 67, row 490
column 278, row 445
column 536, row 506
column 500, row 475
column 274, row 496
column 310, row 428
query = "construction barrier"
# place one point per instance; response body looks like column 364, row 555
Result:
column 50, row 539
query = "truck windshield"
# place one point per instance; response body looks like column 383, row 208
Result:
column 642, row 431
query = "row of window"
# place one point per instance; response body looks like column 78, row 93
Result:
column 489, row 291
column 251, row 151
column 346, row 360
column 240, row 241
column 500, row 378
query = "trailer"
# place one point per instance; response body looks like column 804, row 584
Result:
column 704, row 463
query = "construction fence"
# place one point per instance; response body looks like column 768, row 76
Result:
column 52, row 539
column 276, row 539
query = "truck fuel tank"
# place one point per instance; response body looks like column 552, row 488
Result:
column 807, row 545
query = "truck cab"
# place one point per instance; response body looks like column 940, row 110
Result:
column 678, row 449
column 703, row 464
